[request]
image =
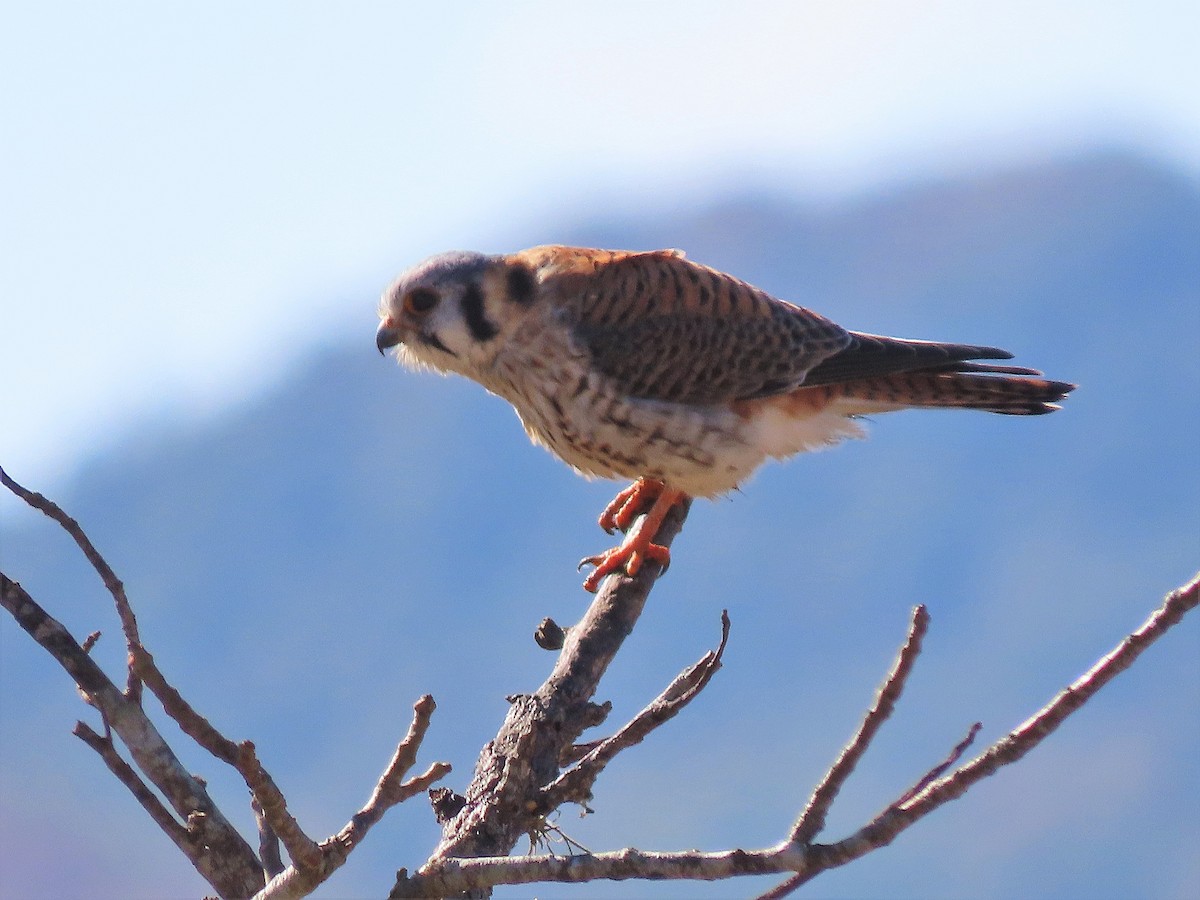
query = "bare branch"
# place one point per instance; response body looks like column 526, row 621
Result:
column 575, row 785
column 268, row 842
column 882, row 830
column 812, row 820
column 189, row 721
column 218, row 852
column 785, row 888
column 502, row 799
column 116, row 588
column 1034, row 730
column 300, row 847
column 149, row 801
column 446, row 876
column 454, row 876
column 518, row 780
column 301, row 878
column 798, row 880
column 940, row 769
column 214, row 848
column 271, row 810
column 391, row 788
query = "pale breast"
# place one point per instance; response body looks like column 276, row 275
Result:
column 580, row 416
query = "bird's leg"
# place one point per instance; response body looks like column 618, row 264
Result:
column 619, row 514
column 638, row 545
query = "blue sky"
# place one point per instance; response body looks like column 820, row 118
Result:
column 194, row 195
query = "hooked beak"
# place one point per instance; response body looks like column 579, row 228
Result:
column 387, row 336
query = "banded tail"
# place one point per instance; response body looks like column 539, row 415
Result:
column 878, row 374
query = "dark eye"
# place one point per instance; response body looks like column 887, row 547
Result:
column 420, row 300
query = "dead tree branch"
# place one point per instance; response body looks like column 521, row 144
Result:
column 450, row 876
column 504, row 800
column 197, row 826
column 533, row 766
column 126, row 774
column 215, row 848
column 299, row 879
column 812, row 820
column 129, row 626
column 575, row 785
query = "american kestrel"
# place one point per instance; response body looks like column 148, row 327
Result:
column 652, row 367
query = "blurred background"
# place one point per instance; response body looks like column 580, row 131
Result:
column 200, row 208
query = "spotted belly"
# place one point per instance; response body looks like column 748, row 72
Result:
column 703, row 451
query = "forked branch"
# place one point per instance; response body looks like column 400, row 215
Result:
column 214, row 847
column 812, row 819
column 323, row 859
column 575, row 785
column 504, row 800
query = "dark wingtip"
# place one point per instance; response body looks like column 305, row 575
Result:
column 993, row 353
column 986, row 367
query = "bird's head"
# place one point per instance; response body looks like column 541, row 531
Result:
column 454, row 310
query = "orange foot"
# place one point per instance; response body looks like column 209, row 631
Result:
column 619, row 514
column 638, row 545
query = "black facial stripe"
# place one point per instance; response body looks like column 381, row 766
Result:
column 433, row 341
column 477, row 323
column 520, row 285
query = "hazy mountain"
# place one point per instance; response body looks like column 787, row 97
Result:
column 309, row 562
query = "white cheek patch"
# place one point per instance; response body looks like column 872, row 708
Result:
column 444, row 343
column 449, row 332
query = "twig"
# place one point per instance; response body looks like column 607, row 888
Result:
column 127, row 776
column 391, row 788
column 268, row 842
column 302, row 849
column 941, row 768
column 116, row 588
column 538, row 838
column 189, row 721
column 575, row 785
column 812, row 820
column 299, row 880
column 798, row 880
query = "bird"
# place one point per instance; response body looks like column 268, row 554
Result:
column 645, row 365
